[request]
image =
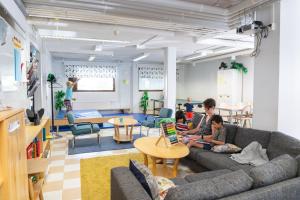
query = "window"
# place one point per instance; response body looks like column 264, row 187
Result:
column 151, row 77
column 94, row 84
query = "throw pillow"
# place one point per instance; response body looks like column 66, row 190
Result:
column 145, row 177
column 213, row 188
column 226, row 148
column 164, row 184
column 279, row 169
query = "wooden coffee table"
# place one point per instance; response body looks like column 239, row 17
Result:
column 126, row 122
column 147, row 146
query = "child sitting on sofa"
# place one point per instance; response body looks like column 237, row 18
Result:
column 218, row 136
column 181, row 121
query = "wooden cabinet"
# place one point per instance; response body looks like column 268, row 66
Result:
column 13, row 167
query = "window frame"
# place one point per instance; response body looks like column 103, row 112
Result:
column 76, row 90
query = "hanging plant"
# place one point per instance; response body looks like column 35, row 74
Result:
column 144, row 102
column 239, row 66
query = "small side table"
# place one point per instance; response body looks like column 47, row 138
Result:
column 147, row 145
column 126, row 122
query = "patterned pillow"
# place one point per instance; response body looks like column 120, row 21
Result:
column 145, row 177
column 164, row 185
column 226, row 148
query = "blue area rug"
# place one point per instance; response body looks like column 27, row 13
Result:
column 89, row 145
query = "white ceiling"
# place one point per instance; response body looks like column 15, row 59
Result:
column 162, row 22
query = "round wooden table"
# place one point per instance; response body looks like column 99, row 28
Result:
column 147, row 145
column 126, row 122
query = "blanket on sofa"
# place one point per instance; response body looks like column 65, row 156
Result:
column 252, row 154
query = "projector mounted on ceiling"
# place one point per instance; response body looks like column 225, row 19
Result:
column 258, row 30
column 251, row 29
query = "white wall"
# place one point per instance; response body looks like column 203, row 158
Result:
column 99, row 100
column 136, row 94
column 200, row 81
column 125, row 95
column 266, row 75
column 17, row 96
column 289, row 87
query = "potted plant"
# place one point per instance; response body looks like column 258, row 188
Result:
column 59, row 100
column 144, row 102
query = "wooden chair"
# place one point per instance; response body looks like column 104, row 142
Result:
column 244, row 117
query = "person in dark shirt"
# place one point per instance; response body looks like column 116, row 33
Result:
column 189, row 108
column 218, row 136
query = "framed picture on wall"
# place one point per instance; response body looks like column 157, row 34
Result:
column 151, row 77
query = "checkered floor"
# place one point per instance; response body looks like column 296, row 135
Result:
column 63, row 177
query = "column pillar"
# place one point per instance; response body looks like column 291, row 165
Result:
column 266, row 72
column 170, row 78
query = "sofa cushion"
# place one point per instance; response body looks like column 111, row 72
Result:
column 206, row 175
column 279, row 169
column 145, row 177
column 245, row 136
column 230, row 133
column 211, row 160
column 214, row 188
column 244, row 167
column 179, row 181
column 282, row 144
column 298, row 161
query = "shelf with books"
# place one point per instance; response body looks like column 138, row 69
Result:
column 38, row 146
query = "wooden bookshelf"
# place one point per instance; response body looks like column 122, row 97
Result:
column 37, row 165
column 32, row 131
column 12, row 156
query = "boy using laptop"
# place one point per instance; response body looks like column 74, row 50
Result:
column 218, row 136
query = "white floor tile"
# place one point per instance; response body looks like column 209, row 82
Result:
column 57, row 163
column 58, row 153
column 73, row 167
column 71, row 183
column 56, row 195
column 55, row 177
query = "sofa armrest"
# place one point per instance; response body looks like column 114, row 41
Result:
column 124, row 186
column 289, row 189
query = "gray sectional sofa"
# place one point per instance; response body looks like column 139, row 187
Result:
column 206, row 164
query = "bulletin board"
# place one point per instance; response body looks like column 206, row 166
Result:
column 151, row 77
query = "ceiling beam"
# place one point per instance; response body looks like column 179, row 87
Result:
column 87, row 52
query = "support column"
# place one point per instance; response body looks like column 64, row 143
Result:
column 266, row 72
column 170, row 78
